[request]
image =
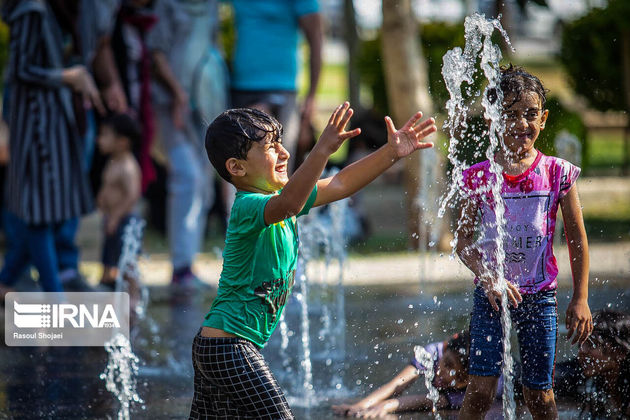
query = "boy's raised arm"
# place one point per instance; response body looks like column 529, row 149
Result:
column 578, row 319
column 296, row 192
column 400, row 143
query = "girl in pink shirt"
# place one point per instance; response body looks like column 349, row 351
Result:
column 534, row 186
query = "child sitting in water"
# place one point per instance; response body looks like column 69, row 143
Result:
column 232, row 380
column 119, row 136
column 451, row 377
column 604, row 360
column 533, row 187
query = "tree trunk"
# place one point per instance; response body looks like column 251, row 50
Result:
column 352, row 44
column 407, row 91
column 503, row 9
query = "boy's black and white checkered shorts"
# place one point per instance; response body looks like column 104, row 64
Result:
column 233, row 381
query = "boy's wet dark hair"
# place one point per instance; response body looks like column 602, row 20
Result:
column 232, row 134
column 612, row 330
column 126, row 126
column 516, row 81
column 460, row 345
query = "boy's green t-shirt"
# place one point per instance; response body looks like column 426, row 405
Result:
column 258, row 269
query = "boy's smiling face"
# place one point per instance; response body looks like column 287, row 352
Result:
column 524, row 120
column 266, row 166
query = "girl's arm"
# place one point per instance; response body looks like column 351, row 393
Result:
column 578, row 319
column 401, row 381
column 472, row 258
column 400, row 143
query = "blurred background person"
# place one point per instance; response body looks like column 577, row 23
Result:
column 46, row 186
column 190, row 87
column 265, row 62
column 120, row 139
column 133, row 62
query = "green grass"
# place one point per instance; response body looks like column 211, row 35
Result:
column 606, row 151
column 333, row 83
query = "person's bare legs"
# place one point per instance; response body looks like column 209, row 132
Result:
column 541, row 403
column 479, row 396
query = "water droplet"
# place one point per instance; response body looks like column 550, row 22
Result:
column 489, row 338
column 338, row 386
column 478, row 353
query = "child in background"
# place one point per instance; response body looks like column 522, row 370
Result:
column 605, row 364
column 232, row 380
column 533, row 187
column 451, row 377
column 119, row 137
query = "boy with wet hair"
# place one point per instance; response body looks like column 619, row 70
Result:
column 232, row 380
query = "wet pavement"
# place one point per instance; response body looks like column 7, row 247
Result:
column 382, row 324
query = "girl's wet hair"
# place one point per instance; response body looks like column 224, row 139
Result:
column 459, row 344
column 516, row 81
column 232, row 134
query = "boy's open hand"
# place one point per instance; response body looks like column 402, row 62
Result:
column 335, row 132
column 408, row 139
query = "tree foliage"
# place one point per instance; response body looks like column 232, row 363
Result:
column 437, row 38
column 591, row 54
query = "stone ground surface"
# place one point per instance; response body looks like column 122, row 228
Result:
column 607, row 260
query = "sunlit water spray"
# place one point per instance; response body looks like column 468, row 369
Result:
column 120, row 374
column 122, row 364
column 322, row 256
column 459, row 70
column 426, row 359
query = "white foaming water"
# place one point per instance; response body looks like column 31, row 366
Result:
column 426, row 359
column 128, row 267
column 122, row 364
column 120, row 374
column 460, row 67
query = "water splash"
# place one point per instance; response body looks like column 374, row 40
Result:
column 128, row 278
column 320, row 267
column 459, row 69
column 426, row 359
column 120, row 374
column 122, row 364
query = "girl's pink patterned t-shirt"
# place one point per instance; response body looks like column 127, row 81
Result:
column 531, row 203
